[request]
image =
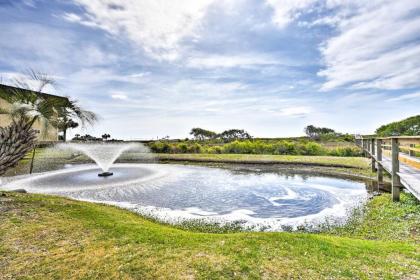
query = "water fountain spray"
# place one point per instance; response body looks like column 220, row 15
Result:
column 103, row 154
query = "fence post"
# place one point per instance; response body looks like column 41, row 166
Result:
column 372, row 153
column 412, row 153
column 396, row 184
column 363, row 146
column 380, row 174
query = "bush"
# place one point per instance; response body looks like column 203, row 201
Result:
column 195, row 148
column 345, row 152
column 183, row 148
column 160, row 147
column 313, row 149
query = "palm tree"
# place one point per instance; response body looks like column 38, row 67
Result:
column 69, row 114
column 16, row 140
column 29, row 105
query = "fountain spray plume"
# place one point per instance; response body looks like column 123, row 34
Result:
column 104, row 154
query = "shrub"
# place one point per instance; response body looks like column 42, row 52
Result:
column 160, row 147
column 345, row 152
column 195, row 148
column 313, row 149
column 183, row 148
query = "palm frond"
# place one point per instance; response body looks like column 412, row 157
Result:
column 42, row 78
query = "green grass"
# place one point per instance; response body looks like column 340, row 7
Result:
column 343, row 166
column 47, row 159
column 46, row 237
column 351, row 162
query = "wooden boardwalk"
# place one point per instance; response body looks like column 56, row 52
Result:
column 404, row 168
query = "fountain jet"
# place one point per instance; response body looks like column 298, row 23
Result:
column 103, row 154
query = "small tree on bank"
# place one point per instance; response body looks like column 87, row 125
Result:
column 202, row 134
column 234, row 134
column 315, row 133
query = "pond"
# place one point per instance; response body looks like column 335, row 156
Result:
column 260, row 200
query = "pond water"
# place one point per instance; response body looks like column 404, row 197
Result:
column 261, row 200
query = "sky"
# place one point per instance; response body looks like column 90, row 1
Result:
column 156, row 68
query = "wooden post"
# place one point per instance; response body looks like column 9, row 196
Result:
column 380, row 174
column 412, row 153
column 363, row 146
column 372, row 146
column 372, row 153
column 396, row 184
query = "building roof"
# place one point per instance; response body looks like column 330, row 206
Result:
column 11, row 89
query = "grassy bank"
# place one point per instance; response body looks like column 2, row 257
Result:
column 341, row 166
column 47, row 159
column 45, row 237
column 329, row 161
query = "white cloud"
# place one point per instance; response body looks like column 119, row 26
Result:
column 139, row 75
column 298, row 111
column 119, row 95
column 409, row 96
column 285, row 11
column 229, row 61
column 157, row 26
column 375, row 47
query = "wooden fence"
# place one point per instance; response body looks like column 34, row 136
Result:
column 399, row 156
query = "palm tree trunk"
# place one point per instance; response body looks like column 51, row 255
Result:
column 32, row 160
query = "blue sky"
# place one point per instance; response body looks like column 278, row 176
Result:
column 152, row 68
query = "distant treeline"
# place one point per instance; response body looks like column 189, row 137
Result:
column 227, row 135
column 238, row 141
column 313, row 132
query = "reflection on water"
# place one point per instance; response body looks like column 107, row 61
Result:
column 174, row 193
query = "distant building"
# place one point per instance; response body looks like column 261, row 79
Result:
column 48, row 134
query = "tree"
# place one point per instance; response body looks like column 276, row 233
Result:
column 406, row 127
column 29, row 105
column 16, row 140
column 68, row 112
column 66, row 124
column 314, row 132
column 105, row 136
column 234, row 134
column 311, row 131
column 202, row 134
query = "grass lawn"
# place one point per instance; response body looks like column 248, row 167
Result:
column 46, row 237
column 324, row 164
column 343, row 166
column 350, row 162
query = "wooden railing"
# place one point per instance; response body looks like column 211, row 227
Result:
column 399, row 156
